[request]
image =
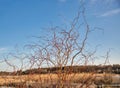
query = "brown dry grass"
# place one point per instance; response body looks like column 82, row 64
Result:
column 39, row 78
column 47, row 78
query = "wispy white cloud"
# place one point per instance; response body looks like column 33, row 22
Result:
column 111, row 12
column 3, row 49
column 93, row 1
column 62, row 0
column 105, row 1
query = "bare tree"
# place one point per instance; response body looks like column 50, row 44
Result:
column 66, row 47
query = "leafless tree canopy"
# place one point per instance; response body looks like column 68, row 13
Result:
column 66, row 47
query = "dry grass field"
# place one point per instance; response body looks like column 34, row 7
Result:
column 47, row 79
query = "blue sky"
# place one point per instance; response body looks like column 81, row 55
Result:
column 21, row 19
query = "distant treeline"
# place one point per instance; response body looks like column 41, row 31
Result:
column 74, row 69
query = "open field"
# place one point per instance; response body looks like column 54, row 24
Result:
column 47, row 79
